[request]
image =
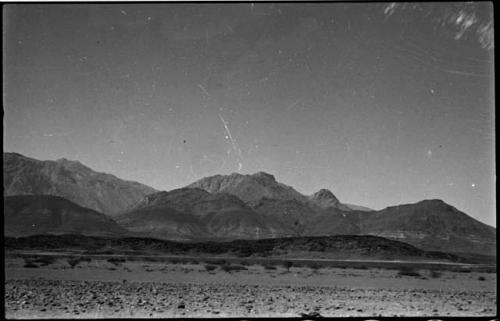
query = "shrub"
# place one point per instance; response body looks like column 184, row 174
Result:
column 210, row 267
column 30, row 264
column 435, row 274
column 269, row 267
column 45, row 260
column 408, row 271
column 73, row 262
column 287, row 265
column 229, row 268
column 217, row 262
column 481, row 278
column 116, row 261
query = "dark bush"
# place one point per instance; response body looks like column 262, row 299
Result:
column 287, row 265
column 314, row 266
column 435, row 274
column 217, row 262
column 209, row 267
column 229, row 268
column 408, row 271
column 116, row 260
column 269, row 267
column 45, row 260
column 30, row 264
column 481, row 278
column 73, row 262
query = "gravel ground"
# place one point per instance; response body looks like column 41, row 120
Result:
column 138, row 290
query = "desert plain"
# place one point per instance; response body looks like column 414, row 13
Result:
column 110, row 288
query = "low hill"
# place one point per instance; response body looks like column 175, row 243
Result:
column 433, row 225
column 44, row 214
column 337, row 247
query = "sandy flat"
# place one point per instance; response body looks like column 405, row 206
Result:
column 100, row 289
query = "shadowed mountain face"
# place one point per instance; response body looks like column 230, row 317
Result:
column 104, row 193
column 192, row 213
column 431, row 224
column 44, row 214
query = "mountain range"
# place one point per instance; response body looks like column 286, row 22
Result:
column 222, row 207
column 72, row 180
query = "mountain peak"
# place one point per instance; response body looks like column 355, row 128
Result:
column 324, row 193
column 433, row 203
column 324, row 198
column 265, row 177
column 249, row 188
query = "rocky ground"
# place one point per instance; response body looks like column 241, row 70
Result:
column 135, row 289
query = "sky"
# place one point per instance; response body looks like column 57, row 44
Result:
column 382, row 104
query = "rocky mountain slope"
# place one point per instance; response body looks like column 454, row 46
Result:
column 45, row 214
column 431, row 224
column 192, row 213
column 249, row 188
column 253, row 188
column 102, row 192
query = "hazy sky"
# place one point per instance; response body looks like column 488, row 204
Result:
column 382, row 105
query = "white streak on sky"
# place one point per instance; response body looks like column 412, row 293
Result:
column 204, row 90
column 236, row 148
